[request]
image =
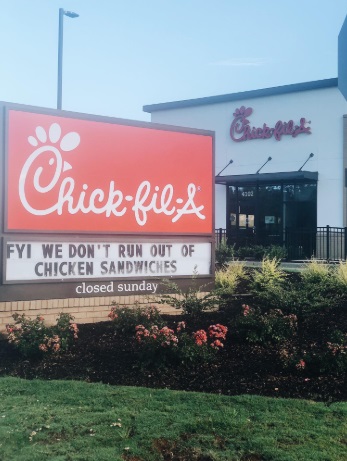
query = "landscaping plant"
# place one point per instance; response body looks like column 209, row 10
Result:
column 166, row 347
column 272, row 326
column 31, row 337
column 228, row 278
column 259, row 252
column 192, row 302
column 125, row 318
column 224, row 253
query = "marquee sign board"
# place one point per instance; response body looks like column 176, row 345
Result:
column 98, row 200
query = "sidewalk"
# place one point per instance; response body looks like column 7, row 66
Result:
column 292, row 266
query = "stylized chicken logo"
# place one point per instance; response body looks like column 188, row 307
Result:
column 67, row 143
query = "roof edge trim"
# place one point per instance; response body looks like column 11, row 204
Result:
column 273, row 91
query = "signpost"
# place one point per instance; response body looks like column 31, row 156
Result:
column 97, row 205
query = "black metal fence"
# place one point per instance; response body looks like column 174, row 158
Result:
column 328, row 243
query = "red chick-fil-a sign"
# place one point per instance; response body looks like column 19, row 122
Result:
column 79, row 175
column 241, row 130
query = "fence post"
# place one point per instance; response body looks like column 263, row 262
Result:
column 220, row 235
column 328, row 243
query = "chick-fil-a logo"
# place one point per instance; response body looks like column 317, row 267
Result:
column 241, row 130
column 109, row 201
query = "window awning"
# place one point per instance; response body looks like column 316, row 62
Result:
column 286, row 176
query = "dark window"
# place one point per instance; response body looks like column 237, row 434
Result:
column 261, row 213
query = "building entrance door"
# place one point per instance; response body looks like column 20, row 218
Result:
column 242, row 215
column 266, row 214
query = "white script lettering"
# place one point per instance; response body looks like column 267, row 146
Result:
column 69, row 199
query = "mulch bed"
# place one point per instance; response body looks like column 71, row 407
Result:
column 101, row 355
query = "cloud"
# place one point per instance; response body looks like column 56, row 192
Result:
column 240, row 62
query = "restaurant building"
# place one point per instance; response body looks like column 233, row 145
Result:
column 281, row 162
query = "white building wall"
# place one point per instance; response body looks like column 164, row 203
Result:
column 324, row 108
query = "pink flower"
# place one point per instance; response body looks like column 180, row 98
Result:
column 56, row 347
column 112, row 315
column 246, row 309
column 200, row 337
column 181, row 326
column 217, row 331
column 301, row 364
column 166, row 331
column 217, row 344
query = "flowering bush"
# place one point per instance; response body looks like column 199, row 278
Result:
column 216, row 333
column 163, row 336
column 200, row 337
column 336, row 353
column 319, row 356
column 126, row 318
column 167, row 347
column 32, row 337
column 295, row 360
column 273, row 326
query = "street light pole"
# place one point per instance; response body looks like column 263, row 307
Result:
column 70, row 14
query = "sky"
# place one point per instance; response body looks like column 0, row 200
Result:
column 120, row 55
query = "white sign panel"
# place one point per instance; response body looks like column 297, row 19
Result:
column 55, row 261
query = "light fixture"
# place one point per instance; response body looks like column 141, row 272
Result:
column 310, row 156
column 71, row 14
column 268, row 160
column 229, row 163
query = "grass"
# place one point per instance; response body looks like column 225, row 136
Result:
column 71, row 420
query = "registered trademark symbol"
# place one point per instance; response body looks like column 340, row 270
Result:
column 199, row 188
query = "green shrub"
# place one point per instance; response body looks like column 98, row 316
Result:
column 275, row 251
column 268, row 276
column 228, row 278
column 224, row 253
column 31, row 337
column 341, row 275
column 126, row 318
column 315, row 288
column 335, row 359
column 316, row 271
column 192, row 302
column 259, row 252
column 321, row 357
column 272, row 327
column 321, row 287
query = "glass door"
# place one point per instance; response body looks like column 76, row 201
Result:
column 242, row 206
column 270, row 220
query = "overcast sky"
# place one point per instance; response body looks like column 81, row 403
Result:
column 121, row 55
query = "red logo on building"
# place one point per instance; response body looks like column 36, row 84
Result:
column 241, row 130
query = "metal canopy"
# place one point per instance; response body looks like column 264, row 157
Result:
column 235, row 180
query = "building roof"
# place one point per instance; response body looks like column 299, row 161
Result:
column 274, row 91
